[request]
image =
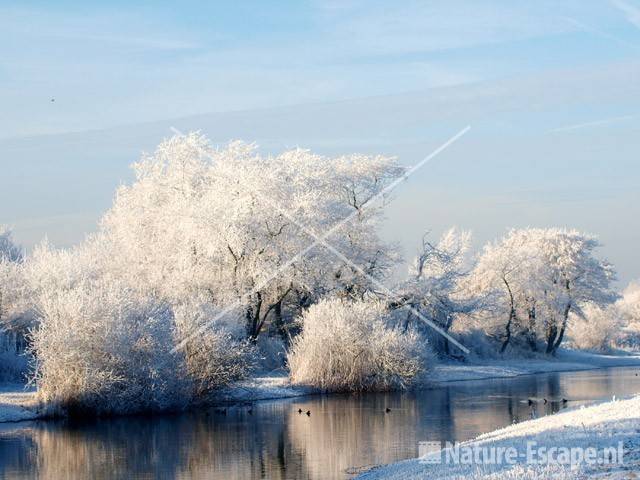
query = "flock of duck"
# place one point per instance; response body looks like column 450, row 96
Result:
column 223, row 411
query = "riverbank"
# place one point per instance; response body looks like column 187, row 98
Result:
column 613, row 425
column 564, row 361
column 18, row 403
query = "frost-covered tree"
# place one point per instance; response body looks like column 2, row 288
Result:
column 595, row 328
column 628, row 311
column 629, row 304
column 49, row 269
column 502, row 279
column 355, row 346
column 205, row 221
column 199, row 229
column 433, row 286
column 572, row 277
column 8, row 249
column 12, row 294
column 14, row 320
column 612, row 326
column 535, row 278
column 12, row 283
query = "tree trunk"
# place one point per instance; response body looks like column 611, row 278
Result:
column 532, row 337
column 278, row 322
column 512, row 317
column 253, row 318
column 448, row 323
column 565, row 321
column 260, row 320
column 552, row 333
column 507, row 339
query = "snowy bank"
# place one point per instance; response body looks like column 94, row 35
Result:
column 614, row 424
column 268, row 387
column 277, row 385
column 17, row 403
column 564, row 361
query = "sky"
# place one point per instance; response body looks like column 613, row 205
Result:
column 551, row 91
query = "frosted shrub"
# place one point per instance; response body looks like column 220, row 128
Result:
column 348, row 346
column 215, row 351
column 100, row 348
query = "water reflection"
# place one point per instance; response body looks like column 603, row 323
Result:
column 275, row 441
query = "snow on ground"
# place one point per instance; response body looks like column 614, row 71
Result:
column 267, row 387
column 565, row 361
column 598, row 426
column 17, row 403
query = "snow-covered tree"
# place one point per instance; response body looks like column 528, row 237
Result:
column 14, row 309
column 433, row 286
column 502, row 279
column 12, row 283
column 629, row 304
column 8, row 249
column 205, row 221
column 595, row 328
column 535, row 278
column 572, row 277
column 628, row 311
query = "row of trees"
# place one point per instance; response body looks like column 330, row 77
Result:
column 211, row 254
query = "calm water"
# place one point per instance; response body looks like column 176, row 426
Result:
column 343, row 433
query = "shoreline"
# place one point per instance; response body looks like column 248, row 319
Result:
column 610, row 424
column 18, row 404
column 568, row 361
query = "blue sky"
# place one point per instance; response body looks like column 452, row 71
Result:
column 550, row 89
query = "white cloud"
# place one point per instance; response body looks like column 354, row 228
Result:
column 594, row 123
